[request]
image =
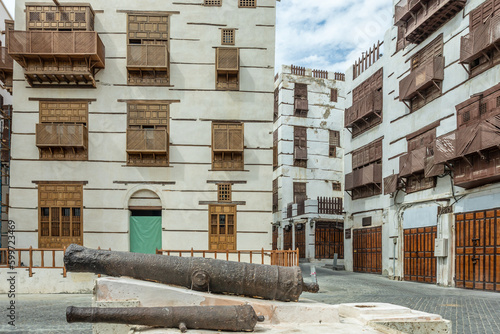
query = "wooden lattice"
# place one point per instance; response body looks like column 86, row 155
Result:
column 227, row 59
column 334, row 142
column 148, row 27
column 228, row 36
column 60, row 215
column 224, row 192
column 60, row 18
column 300, row 143
column 222, row 232
column 299, row 192
column 227, row 146
column 213, row 3
column 58, row 111
column 334, row 95
column 148, row 114
column 247, row 3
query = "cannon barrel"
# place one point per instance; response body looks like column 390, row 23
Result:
column 252, row 280
column 226, row 318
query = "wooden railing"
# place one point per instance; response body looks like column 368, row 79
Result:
column 330, row 205
column 35, row 258
column 298, row 70
column 147, row 141
column 147, row 56
column 339, row 76
column 368, row 59
column 61, row 135
column 287, row 258
column 6, row 61
column 320, row 74
column 57, row 43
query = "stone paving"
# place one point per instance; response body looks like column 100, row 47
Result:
column 471, row 312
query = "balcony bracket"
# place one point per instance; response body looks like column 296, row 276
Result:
column 349, row 194
column 465, row 68
column 436, row 84
column 413, row 15
column 376, row 185
column 421, row 96
column 486, row 55
column 406, row 104
column 468, row 161
column 349, row 131
column 496, row 47
column 378, row 115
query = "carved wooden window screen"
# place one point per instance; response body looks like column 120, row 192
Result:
column 213, row 3
column 276, row 104
column 334, row 95
column 483, row 12
column 63, row 112
column 222, row 232
column 148, row 28
column 228, row 36
column 275, row 148
column 59, row 18
column 227, row 146
column 224, row 192
column 334, row 143
column 300, row 143
column 427, row 54
column 299, row 192
column 247, row 3
column 300, row 91
column 148, row 133
column 60, row 215
column 227, row 68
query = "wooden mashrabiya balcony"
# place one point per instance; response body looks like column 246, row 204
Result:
column 371, row 174
column 370, row 104
column 58, row 58
column 481, row 40
column 422, row 78
column 6, row 68
column 423, row 17
column 52, row 135
column 147, row 141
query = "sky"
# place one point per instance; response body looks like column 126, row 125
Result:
column 324, row 34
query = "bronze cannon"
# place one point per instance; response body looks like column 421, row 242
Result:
column 217, row 276
column 241, row 318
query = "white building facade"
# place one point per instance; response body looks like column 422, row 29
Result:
column 421, row 158
column 308, row 174
column 142, row 125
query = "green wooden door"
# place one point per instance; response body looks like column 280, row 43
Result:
column 145, row 234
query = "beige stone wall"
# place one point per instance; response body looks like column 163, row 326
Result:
column 194, row 33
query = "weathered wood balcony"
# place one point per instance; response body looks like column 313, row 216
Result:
column 422, row 78
column 50, row 135
column 413, row 162
column 147, row 57
column 370, row 104
column 58, row 58
column 301, row 104
column 6, row 68
column 481, row 40
column 371, row 174
column 147, row 141
column 423, row 17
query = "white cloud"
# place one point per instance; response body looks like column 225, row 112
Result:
column 329, row 34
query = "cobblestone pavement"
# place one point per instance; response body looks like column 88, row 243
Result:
column 44, row 314
column 471, row 312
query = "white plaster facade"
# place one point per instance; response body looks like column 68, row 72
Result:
column 322, row 170
column 194, row 33
column 395, row 213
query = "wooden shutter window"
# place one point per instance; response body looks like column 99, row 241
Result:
column 275, row 195
column 275, row 149
column 227, row 68
column 228, row 36
column 334, row 95
column 300, row 91
column 334, row 143
column 299, row 192
column 276, row 104
column 227, row 146
column 60, row 215
column 300, row 143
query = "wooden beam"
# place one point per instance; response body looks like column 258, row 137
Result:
column 57, row 3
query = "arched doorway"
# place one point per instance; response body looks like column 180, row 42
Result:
column 145, row 222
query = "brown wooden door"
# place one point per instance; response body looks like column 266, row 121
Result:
column 287, row 238
column 329, row 239
column 300, row 240
column 477, row 261
column 419, row 260
column 222, row 227
column 367, row 249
